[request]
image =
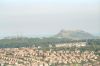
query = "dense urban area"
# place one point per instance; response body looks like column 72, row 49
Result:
column 49, row 52
column 37, row 57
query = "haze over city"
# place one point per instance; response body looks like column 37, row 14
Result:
column 47, row 17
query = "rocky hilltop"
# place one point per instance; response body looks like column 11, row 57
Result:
column 74, row 34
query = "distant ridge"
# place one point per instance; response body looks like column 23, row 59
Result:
column 74, row 34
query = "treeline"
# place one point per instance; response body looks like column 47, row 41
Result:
column 43, row 42
column 94, row 44
column 29, row 42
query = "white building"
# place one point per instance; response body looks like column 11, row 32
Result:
column 72, row 44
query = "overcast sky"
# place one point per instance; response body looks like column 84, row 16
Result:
column 35, row 17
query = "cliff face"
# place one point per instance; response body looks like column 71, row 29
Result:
column 74, row 34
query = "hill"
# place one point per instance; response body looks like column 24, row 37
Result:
column 75, row 34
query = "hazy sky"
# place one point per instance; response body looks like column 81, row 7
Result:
column 34, row 17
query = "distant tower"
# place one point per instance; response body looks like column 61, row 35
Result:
column 87, row 42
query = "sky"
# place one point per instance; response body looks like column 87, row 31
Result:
column 47, row 17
